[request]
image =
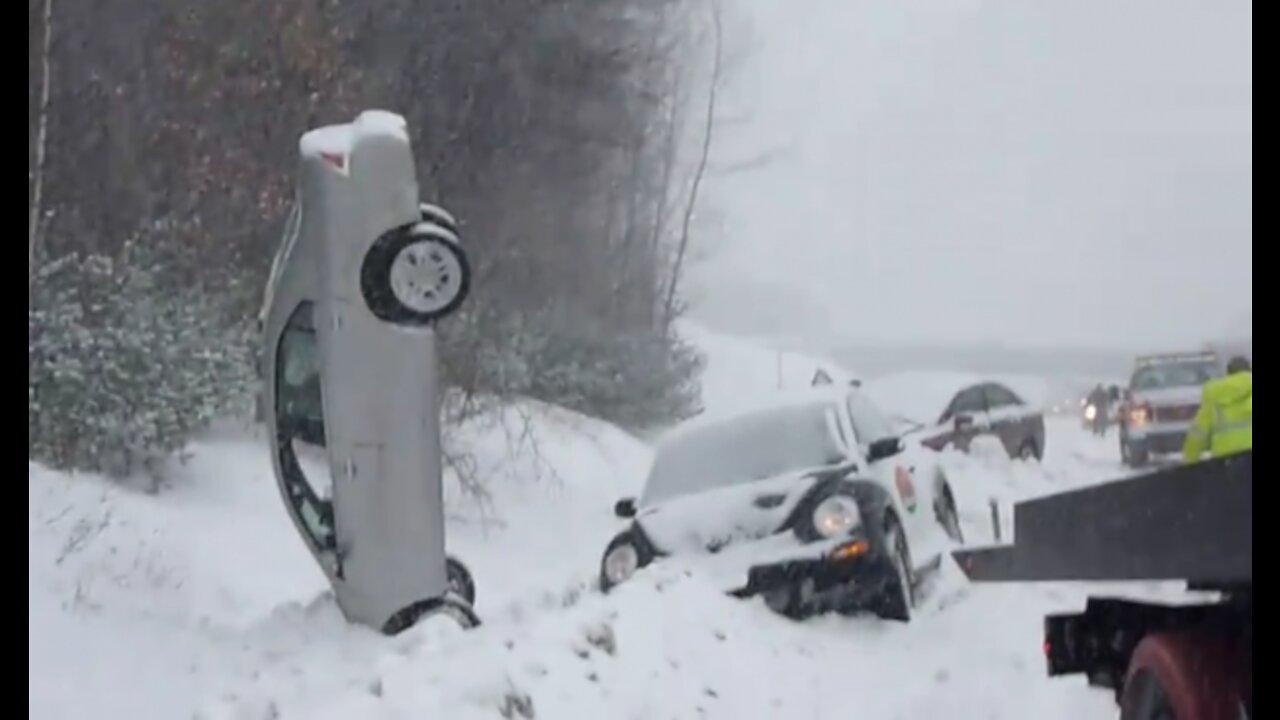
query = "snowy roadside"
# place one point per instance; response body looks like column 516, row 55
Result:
column 201, row 602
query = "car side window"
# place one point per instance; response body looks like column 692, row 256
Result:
column 299, row 411
column 969, row 400
column 1001, row 396
column 868, row 422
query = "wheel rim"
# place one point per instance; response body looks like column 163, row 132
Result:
column 426, row 275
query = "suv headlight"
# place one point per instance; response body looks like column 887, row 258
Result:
column 621, row 563
column 836, row 515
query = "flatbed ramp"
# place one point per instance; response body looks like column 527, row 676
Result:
column 1190, row 522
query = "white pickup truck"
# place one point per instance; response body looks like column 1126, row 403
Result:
column 1160, row 402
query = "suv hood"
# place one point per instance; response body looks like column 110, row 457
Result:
column 1189, row 395
column 708, row 521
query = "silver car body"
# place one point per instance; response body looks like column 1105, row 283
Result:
column 357, row 395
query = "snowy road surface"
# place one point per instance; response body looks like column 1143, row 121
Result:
column 201, row 603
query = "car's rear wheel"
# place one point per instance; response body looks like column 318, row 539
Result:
column 459, row 610
column 415, row 275
column 1028, row 451
column 1145, row 698
column 461, row 583
column 1175, row 675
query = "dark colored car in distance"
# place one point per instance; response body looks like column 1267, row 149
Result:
column 941, row 411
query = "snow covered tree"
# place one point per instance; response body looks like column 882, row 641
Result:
column 548, row 128
column 122, row 366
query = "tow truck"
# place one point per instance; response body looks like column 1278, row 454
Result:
column 1190, row 523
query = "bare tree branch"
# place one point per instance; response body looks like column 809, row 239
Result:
column 752, row 162
column 703, row 158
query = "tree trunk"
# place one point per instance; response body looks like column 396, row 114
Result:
column 42, row 142
column 708, row 127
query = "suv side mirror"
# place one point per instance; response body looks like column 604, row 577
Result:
column 883, row 448
column 625, row 508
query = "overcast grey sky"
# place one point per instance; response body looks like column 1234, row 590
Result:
column 1035, row 171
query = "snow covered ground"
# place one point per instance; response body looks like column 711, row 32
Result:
column 200, row 602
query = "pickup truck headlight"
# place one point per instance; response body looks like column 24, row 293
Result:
column 836, row 515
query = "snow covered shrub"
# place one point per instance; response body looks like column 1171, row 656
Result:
column 122, row 367
column 637, row 379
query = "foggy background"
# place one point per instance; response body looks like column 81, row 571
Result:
column 945, row 183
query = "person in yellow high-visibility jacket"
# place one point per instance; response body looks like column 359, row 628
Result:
column 1224, row 423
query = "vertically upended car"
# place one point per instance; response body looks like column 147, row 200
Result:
column 812, row 503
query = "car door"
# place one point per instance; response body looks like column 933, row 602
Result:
column 1009, row 416
column 967, row 417
column 914, row 495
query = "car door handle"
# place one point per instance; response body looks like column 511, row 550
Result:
column 769, row 501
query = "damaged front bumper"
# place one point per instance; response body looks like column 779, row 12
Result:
column 848, row 572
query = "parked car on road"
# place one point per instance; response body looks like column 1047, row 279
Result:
column 947, row 409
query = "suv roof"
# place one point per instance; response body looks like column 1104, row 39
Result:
column 1163, row 358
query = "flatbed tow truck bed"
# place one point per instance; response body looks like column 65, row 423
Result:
column 1192, row 523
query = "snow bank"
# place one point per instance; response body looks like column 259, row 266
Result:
column 667, row 644
column 740, row 372
column 551, row 478
column 147, row 605
column 201, row 602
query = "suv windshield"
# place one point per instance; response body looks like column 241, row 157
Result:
column 753, row 447
column 1174, row 374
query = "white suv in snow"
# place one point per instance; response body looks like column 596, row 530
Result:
column 812, row 502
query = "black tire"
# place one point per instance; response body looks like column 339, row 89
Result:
column 948, row 516
column 644, row 555
column 1028, row 450
column 1144, row 698
column 450, row 272
column 1136, row 457
column 784, row 600
column 438, row 215
column 461, row 582
column 455, row 607
column 897, row 597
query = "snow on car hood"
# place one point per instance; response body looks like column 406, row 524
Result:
column 712, row 519
column 1183, row 395
column 724, row 532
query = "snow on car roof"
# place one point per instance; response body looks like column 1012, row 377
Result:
column 821, row 394
column 339, row 139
